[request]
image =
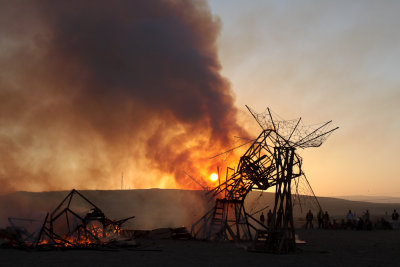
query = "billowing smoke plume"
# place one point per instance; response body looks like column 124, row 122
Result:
column 90, row 89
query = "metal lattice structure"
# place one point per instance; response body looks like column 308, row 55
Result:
column 270, row 161
column 66, row 227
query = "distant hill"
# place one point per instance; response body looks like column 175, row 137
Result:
column 155, row 208
column 374, row 199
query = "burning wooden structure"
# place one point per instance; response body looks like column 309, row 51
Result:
column 67, row 227
column 270, row 161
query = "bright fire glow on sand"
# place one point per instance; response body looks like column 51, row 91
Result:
column 214, row 177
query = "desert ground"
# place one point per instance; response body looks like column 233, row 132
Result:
column 322, row 248
column 155, row 208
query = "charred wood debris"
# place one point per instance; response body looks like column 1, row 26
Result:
column 66, row 228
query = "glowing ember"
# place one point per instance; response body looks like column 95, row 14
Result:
column 214, row 177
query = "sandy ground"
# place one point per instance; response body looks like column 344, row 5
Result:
column 323, row 248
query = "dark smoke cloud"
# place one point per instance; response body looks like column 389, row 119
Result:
column 92, row 88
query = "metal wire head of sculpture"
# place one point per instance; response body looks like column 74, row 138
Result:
column 293, row 133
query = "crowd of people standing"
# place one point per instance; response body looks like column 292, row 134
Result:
column 351, row 221
column 322, row 218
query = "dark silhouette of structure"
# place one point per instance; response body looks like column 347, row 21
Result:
column 66, row 227
column 270, row 161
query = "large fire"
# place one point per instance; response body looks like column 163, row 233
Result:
column 90, row 235
column 70, row 226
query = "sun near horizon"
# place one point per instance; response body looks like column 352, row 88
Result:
column 214, row 177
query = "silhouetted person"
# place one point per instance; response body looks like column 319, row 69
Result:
column 350, row 219
column 309, row 219
column 269, row 217
column 326, row 220
column 395, row 216
column 395, row 219
column 367, row 216
column 320, row 219
column 262, row 219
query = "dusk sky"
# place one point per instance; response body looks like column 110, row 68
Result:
column 153, row 89
column 323, row 60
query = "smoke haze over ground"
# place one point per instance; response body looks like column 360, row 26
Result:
column 152, row 208
column 90, row 89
